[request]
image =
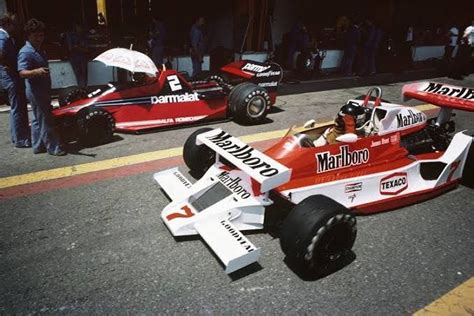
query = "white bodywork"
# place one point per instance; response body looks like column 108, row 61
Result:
column 223, row 202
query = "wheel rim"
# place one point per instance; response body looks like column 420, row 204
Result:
column 256, row 106
column 98, row 129
column 334, row 243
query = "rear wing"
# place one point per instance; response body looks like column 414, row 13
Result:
column 440, row 94
column 263, row 169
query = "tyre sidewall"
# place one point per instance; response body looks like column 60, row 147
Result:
column 95, row 125
column 242, row 96
column 300, row 228
column 198, row 158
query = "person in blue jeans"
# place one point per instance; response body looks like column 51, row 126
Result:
column 11, row 82
column 33, row 66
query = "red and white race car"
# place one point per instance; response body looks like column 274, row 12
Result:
column 399, row 157
column 244, row 90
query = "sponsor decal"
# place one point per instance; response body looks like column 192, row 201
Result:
column 243, row 153
column 410, row 118
column 182, row 179
column 238, row 236
column 394, row 183
column 457, row 92
column 345, row 158
column 268, row 74
column 353, row 187
column 233, row 185
column 268, row 84
column 175, row 98
column 255, row 68
column 352, row 197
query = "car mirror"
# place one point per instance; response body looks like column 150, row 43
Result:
column 347, row 138
column 309, row 124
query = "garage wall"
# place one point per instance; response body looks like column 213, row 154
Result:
column 284, row 17
column 3, row 7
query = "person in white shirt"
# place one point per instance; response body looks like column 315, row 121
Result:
column 469, row 34
column 468, row 39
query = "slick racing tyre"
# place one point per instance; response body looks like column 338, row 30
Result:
column 71, row 94
column 468, row 172
column 318, row 233
column 198, row 158
column 249, row 103
column 95, row 126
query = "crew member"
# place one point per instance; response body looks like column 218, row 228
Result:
column 33, row 66
column 11, row 82
column 197, row 45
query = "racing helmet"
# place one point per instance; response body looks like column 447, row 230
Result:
column 350, row 117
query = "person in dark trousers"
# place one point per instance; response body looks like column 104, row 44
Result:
column 468, row 39
column 77, row 46
column 452, row 36
column 156, row 42
column 197, row 45
column 11, row 82
column 351, row 41
column 33, row 66
column 370, row 45
column 298, row 40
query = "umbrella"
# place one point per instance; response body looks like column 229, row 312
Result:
column 128, row 59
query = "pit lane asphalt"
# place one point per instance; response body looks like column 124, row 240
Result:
column 102, row 247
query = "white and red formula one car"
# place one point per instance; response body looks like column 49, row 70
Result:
column 399, row 157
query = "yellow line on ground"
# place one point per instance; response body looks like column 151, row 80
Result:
column 75, row 170
column 459, row 301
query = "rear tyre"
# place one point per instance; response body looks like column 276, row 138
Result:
column 249, row 103
column 318, row 234
column 468, row 172
column 71, row 94
column 198, row 158
column 95, row 126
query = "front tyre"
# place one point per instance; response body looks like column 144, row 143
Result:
column 249, row 103
column 95, row 126
column 198, row 158
column 318, row 233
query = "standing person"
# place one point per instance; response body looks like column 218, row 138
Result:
column 452, row 42
column 11, row 82
column 352, row 39
column 298, row 42
column 33, row 66
column 468, row 37
column 77, row 46
column 156, row 42
column 197, row 45
column 408, row 44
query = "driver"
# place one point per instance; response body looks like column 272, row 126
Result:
column 350, row 118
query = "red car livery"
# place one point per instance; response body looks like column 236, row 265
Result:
column 244, row 90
